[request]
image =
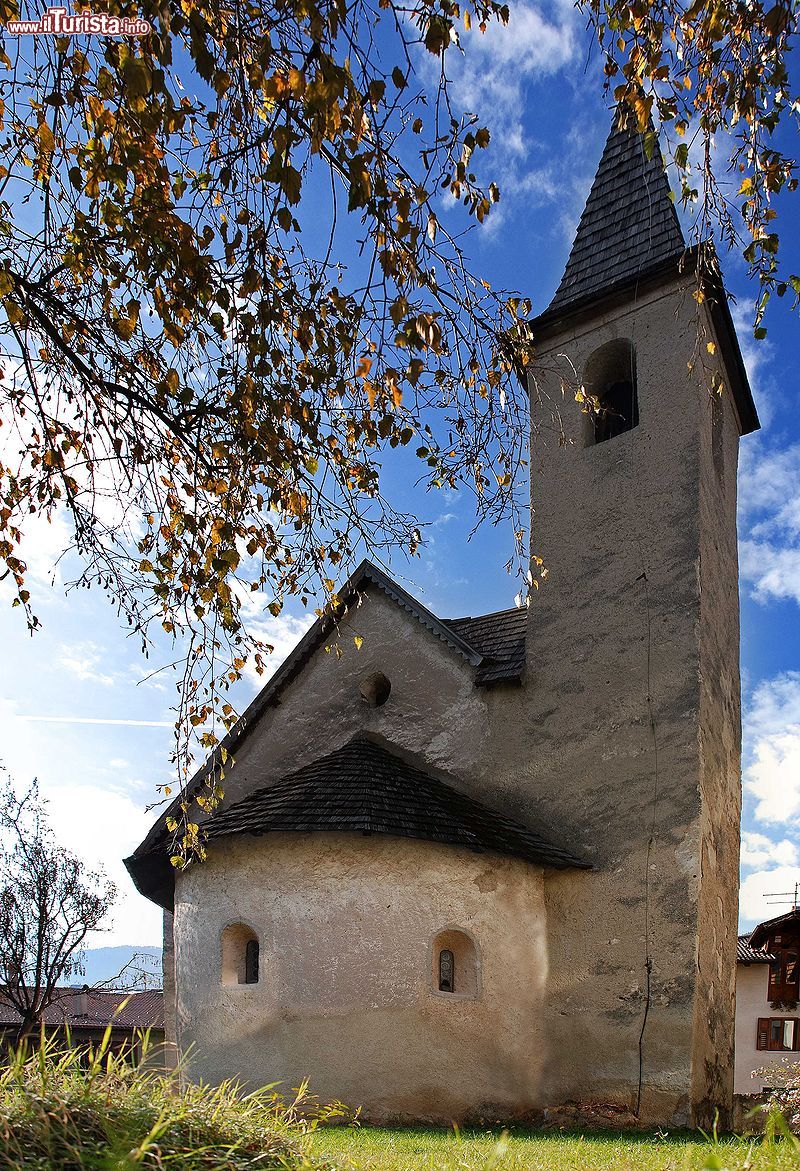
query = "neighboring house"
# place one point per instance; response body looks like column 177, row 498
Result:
column 477, row 867
column 767, row 994
column 87, row 1012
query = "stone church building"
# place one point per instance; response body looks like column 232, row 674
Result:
column 486, row 866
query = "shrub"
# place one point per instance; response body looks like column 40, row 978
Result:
column 93, row 1110
column 783, row 1096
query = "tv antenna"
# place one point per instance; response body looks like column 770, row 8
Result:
column 779, row 898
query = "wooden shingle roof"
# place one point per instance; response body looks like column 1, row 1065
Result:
column 761, row 934
column 500, row 638
column 364, row 788
column 629, row 225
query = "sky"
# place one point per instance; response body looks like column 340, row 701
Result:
column 81, row 709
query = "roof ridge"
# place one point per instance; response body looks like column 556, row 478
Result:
column 488, row 614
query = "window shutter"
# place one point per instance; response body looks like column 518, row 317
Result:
column 763, row 1033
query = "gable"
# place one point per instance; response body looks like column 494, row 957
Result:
column 438, row 670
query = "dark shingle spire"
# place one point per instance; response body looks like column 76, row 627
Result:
column 628, row 226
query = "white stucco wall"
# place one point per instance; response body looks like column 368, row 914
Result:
column 752, row 1003
column 346, row 925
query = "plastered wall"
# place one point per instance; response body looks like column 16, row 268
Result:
column 752, row 1003
column 345, row 995
column 632, row 714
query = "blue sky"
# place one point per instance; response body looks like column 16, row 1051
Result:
column 79, row 707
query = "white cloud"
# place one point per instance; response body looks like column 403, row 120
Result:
column 769, row 489
column 83, row 660
column 772, row 794
column 755, row 355
column 282, row 634
column 92, row 812
column 773, row 777
column 774, row 572
column 772, row 749
column 754, row 903
column 492, row 78
column 761, row 852
column 769, row 516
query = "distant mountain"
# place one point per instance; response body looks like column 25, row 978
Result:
column 125, row 966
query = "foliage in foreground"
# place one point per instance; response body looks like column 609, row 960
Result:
column 92, row 1110
column 784, row 1100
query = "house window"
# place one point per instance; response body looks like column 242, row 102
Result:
column 778, row 1034
column 783, row 975
column 240, row 955
column 611, row 401
column 456, row 964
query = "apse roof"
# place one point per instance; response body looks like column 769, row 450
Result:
column 629, row 224
column 364, row 787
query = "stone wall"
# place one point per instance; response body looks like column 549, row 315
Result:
column 622, row 722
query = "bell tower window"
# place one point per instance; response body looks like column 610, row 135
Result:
column 610, row 392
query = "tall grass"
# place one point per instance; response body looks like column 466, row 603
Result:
column 93, row 1110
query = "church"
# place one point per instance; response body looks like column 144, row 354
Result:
column 487, row 867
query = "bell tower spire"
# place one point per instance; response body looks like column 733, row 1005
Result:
column 629, row 225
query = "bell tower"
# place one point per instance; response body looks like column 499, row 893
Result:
column 638, row 401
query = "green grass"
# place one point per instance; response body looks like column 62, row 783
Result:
column 93, row 1111
column 418, row 1149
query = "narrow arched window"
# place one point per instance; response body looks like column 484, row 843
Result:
column 251, row 962
column 456, row 964
column 446, row 971
column 610, row 394
column 239, row 960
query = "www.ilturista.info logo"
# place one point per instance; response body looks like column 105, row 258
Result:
column 59, row 22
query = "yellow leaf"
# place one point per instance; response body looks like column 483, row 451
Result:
column 359, row 641
column 46, row 140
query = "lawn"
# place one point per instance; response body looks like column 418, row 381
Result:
column 418, row 1149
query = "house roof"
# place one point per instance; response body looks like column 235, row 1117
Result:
column 365, row 788
column 746, row 954
column 763, row 931
column 96, row 1009
column 629, row 224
